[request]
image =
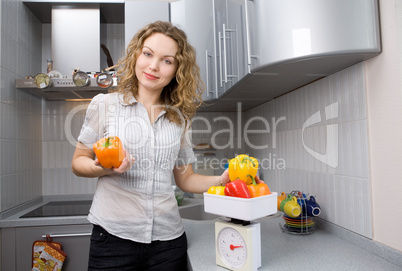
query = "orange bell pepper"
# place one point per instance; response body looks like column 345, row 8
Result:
column 258, row 190
column 109, row 151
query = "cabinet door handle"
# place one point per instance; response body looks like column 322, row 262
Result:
column 248, row 39
column 247, row 36
column 224, row 54
column 67, row 234
column 237, row 51
column 220, row 58
column 225, row 51
column 207, row 72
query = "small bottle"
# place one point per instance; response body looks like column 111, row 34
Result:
column 49, row 65
column 114, row 80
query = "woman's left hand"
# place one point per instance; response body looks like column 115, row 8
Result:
column 224, row 178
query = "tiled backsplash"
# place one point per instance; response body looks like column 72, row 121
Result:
column 220, row 130
column 20, row 113
column 58, row 148
column 341, row 183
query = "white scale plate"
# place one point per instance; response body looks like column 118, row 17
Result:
column 240, row 208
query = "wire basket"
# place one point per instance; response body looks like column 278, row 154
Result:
column 301, row 225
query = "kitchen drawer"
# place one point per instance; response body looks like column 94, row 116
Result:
column 75, row 240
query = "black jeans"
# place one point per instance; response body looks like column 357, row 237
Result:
column 109, row 252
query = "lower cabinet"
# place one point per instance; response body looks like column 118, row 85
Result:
column 17, row 245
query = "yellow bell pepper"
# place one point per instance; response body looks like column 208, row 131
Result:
column 241, row 167
column 217, row 190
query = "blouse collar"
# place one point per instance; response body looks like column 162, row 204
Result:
column 131, row 101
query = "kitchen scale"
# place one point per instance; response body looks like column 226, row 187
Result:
column 238, row 241
column 238, row 246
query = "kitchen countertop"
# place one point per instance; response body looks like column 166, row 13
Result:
column 11, row 218
column 321, row 250
column 329, row 247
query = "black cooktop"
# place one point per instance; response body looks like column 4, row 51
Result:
column 61, row 208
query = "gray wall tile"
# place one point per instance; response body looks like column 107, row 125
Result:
column 343, row 190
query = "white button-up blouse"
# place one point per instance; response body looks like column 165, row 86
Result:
column 139, row 204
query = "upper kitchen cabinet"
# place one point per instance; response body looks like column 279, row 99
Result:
column 196, row 19
column 289, row 30
column 140, row 13
column 229, row 18
column 288, row 44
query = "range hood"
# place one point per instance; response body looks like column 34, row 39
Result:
column 75, row 44
column 62, row 89
column 75, row 38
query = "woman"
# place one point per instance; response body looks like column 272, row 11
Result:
column 136, row 221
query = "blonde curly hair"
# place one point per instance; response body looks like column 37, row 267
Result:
column 182, row 95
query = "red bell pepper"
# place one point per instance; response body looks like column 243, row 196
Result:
column 237, row 188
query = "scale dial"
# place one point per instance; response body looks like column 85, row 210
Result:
column 232, row 247
column 238, row 247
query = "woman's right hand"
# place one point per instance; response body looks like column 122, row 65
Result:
column 126, row 164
